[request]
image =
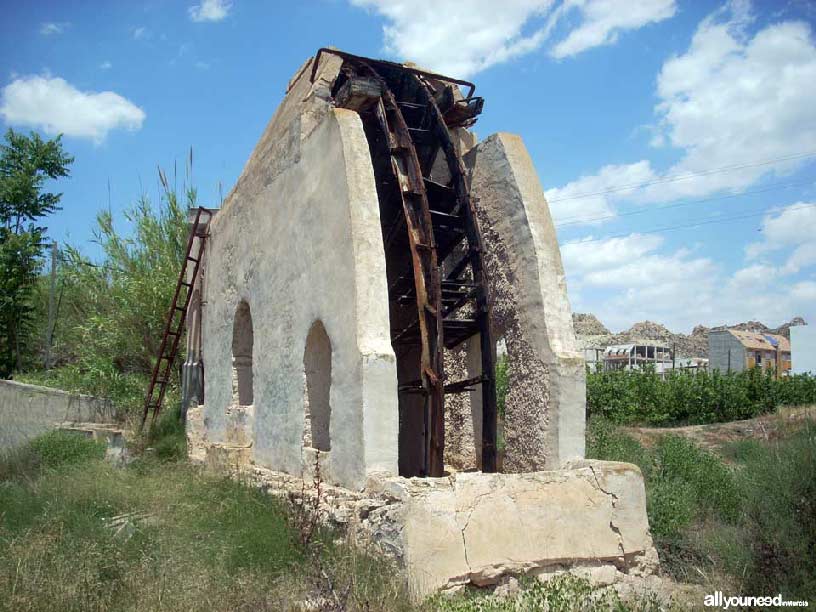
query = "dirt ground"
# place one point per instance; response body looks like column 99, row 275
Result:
column 713, row 437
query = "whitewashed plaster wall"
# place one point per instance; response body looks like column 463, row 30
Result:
column 299, row 240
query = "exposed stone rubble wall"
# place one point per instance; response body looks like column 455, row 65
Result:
column 474, row 528
column 545, row 405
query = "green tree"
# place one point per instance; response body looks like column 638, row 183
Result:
column 26, row 163
column 116, row 308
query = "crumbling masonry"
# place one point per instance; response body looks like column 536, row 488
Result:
column 350, row 296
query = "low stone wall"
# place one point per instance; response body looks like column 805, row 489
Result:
column 27, row 411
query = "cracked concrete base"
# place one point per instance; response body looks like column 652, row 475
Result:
column 476, row 528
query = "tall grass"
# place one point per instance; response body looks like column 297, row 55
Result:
column 750, row 527
column 79, row 534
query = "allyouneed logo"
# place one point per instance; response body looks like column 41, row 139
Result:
column 717, row 599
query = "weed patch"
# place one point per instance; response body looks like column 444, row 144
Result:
column 751, row 527
column 160, row 535
column 564, row 593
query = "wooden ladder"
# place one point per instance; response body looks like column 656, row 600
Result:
column 174, row 326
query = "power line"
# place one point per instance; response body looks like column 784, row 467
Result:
column 579, row 220
column 708, row 221
column 686, row 176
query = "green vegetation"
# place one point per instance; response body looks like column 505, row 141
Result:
column 565, row 593
column 112, row 312
column 79, row 534
column 643, row 397
column 26, row 163
column 751, row 526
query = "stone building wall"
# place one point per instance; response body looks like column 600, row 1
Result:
column 298, row 242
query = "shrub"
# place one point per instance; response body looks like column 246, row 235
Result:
column 99, row 378
column 642, row 396
column 754, row 523
column 168, row 436
column 711, row 483
column 778, row 483
column 502, row 385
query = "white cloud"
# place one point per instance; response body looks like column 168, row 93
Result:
column 603, row 20
column 140, row 33
column 627, row 279
column 730, row 101
column 53, row 27
column 630, row 279
column 55, row 106
column 589, row 198
column 592, row 255
column 804, row 292
column 794, row 229
column 803, row 256
column 795, row 224
column 105, row 65
column 734, row 99
column 463, row 37
column 210, row 10
column 652, row 272
column 755, row 277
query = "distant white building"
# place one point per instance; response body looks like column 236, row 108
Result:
column 634, row 356
column 803, row 349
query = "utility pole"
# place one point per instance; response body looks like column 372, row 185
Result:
column 52, row 294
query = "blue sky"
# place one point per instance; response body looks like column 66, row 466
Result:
column 640, row 117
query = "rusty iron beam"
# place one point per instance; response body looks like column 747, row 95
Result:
column 393, row 65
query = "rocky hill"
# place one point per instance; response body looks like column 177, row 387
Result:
column 587, row 324
column 592, row 333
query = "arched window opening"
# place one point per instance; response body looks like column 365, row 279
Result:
column 242, row 338
column 317, row 368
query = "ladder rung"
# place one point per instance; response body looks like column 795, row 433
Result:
column 411, row 104
column 192, row 259
column 421, row 136
column 464, row 385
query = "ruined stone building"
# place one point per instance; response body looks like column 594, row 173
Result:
column 344, row 317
